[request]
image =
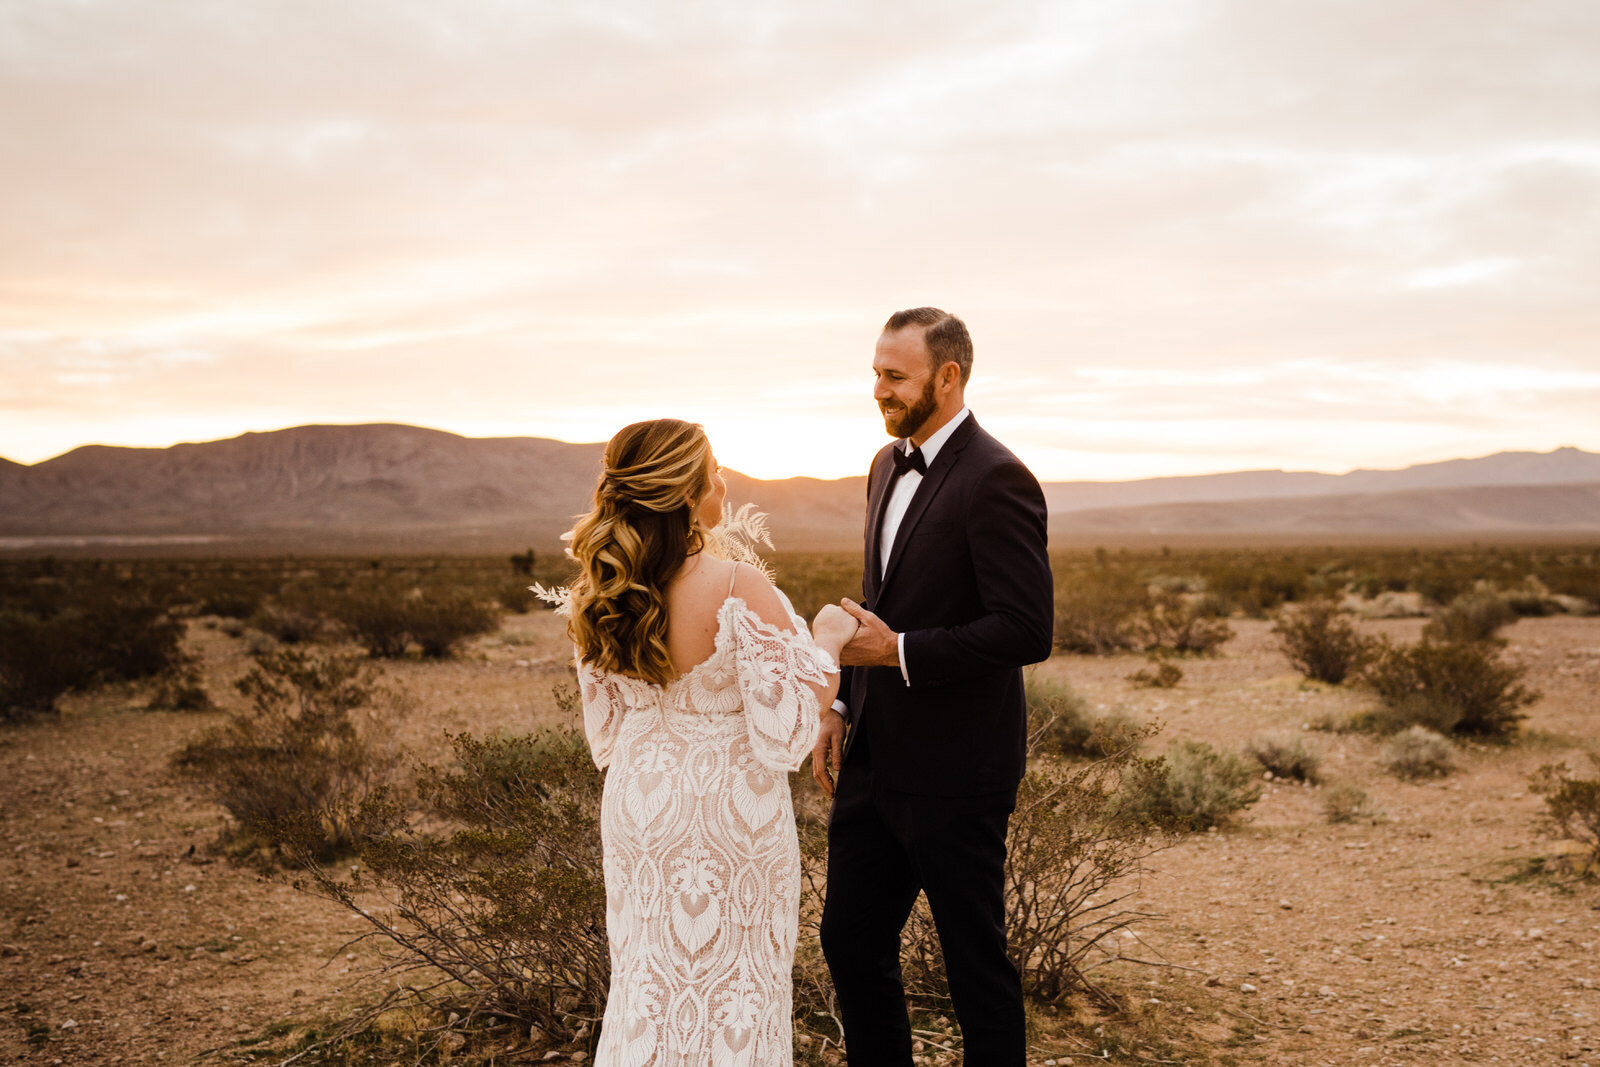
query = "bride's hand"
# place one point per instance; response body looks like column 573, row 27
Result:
column 833, row 628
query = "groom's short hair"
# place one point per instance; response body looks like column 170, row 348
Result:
column 946, row 336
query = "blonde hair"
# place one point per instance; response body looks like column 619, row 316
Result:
column 643, row 526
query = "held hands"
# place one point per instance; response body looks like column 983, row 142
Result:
column 874, row 644
column 832, row 629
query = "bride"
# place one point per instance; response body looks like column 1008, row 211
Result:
column 701, row 691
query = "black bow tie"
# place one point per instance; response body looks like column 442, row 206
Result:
column 908, row 462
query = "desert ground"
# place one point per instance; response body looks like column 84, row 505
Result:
column 1425, row 932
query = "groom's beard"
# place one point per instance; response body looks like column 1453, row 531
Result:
column 905, row 422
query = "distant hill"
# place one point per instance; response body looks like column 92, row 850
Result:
column 1564, row 466
column 1499, row 509
column 388, row 487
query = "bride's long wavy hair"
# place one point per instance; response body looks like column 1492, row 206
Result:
column 643, row 526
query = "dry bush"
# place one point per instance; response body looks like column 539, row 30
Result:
column 1572, row 805
column 439, row 623
column 1347, row 802
column 1096, row 611
column 299, row 756
column 1078, row 838
column 496, row 911
column 1470, row 617
column 228, row 596
column 292, row 617
column 1449, row 687
column 516, row 597
column 1061, row 724
column 1172, row 623
column 1321, row 643
column 1418, row 752
column 1259, row 583
column 85, row 636
column 181, row 689
column 1285, row 754
column 385, row 617
column 1199, row 787
column 1165, row 674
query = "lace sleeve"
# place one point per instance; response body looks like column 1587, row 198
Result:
column 604, row 702
column 776, row 672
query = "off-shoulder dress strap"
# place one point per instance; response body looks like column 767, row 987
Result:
column 733, row 576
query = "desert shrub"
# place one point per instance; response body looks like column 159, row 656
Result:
column 376, row 615
column 1347, row 802
column 1418, row 752
column 1096, row 611
column 1259, row 585
column 516, row 597
column 1161, row 674
column 1449, row 687
column 1441, row 581
column 292, row 617
column 1174, row 624
column 1572, row 805
column 228, row 597
column 1470, row 617
column 298, row 756
column 181, row 689
column 40, row 661
column 1078, row 836
column 385, row 618
column 1532, row 605
column 1285, row 754
column 1321, row 643
column 1060, row 724
column 1200, row 787
column 439, row 623
column 87, row 637
column 501, row 907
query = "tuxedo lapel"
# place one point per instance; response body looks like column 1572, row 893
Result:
column 922, row 499
column 878, row 503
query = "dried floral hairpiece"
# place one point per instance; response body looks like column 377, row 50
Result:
column 735, row 538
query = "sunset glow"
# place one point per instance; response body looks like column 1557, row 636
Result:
column 1187, row 237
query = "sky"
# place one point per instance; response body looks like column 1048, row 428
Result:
column 1187, row 236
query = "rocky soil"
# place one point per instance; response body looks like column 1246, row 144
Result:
column 1422, row 933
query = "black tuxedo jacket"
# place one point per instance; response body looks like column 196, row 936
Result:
column 969, row 585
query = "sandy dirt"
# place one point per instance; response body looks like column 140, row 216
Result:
column 1414, row 936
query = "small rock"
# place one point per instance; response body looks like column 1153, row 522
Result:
column 10, row 950
column 579, row 1056
column 1285, row 905
column 1326, row 991
column 1213, row 981
column 148, row 945
column 70, row 1024
column 1247, row 988
column 452, row 1043
column 1535, row 934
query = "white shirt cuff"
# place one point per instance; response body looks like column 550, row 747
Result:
column 902, row 649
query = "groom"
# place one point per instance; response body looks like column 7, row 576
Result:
column 957, row 598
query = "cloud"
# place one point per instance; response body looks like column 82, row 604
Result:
column 461, row 214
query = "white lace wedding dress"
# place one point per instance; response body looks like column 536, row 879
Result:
column 702, row 864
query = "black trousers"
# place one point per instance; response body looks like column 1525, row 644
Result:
column 883, row 847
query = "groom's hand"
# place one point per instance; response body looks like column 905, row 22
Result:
column 829, row 750
column 874, row 644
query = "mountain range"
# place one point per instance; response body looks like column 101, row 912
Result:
column 387, row 487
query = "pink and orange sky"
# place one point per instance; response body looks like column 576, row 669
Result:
column 1188, row 236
